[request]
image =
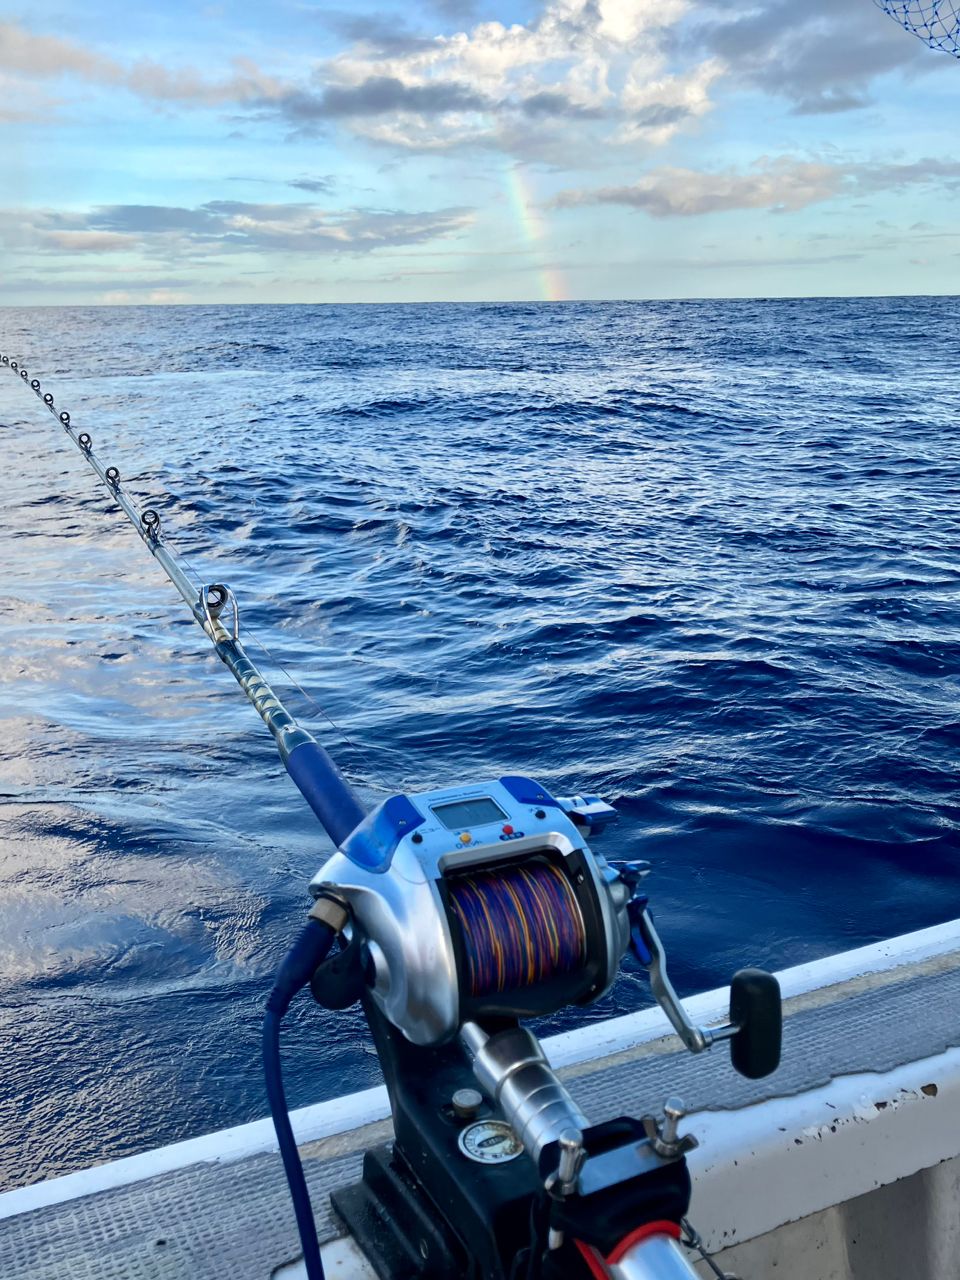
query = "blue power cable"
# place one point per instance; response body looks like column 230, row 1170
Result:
column 298, row 967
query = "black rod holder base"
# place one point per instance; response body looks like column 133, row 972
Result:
column 399, row 1230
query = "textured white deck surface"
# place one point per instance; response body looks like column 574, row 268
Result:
column 869, row 1092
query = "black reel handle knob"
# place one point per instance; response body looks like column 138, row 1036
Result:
column 755, row 1007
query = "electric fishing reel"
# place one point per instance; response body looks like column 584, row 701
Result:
column 485, row 902
column 480, row 902
column 461, row 912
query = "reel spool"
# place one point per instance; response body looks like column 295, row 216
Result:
column 519, row 927
column 529, row 938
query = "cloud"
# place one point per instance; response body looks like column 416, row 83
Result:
column 147, row 218
column 822, row 55
column 21, row 102
column 375, row 96
column 247, row 84
column 579, row 74
column 61, row 283
column 227, row 226
column 89, row 241
column 147, row 296
column 319, row 186
column 753, row 264
column 314, row 184
column 31, row 56
column 673, row 192
column 384, row 32
column 28, row 54
column 559, row 106
column 457, row 10
column 781, row 184
column 659, row 115
column 304, row 228
column 872, row 177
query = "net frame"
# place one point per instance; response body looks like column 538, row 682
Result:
column 935, row 22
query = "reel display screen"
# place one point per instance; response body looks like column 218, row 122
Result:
column 468, row 813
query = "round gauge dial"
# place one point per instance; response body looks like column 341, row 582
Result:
column 489, row 1142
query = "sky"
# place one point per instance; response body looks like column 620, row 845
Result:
column 466, row 150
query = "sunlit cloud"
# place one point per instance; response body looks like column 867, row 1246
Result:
column 781, row 184
column 592, row 63
column 26, row 55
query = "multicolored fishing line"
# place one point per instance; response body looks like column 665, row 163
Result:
column 520, row 926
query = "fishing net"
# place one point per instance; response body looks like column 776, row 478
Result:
column 936, row 22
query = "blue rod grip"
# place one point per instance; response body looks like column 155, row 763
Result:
column 325, row 790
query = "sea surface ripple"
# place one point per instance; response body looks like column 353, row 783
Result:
column 700, row 557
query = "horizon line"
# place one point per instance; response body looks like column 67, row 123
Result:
column 480, row 302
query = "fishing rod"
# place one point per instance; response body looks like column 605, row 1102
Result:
column 457, row 913
column 322, row 785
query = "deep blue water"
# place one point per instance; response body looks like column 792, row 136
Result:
column 701, row 557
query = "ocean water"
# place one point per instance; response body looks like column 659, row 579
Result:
column 700, row 557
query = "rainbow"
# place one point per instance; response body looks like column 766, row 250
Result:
column 553, row 283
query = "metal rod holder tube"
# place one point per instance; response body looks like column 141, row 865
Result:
column 656, row 1258
column 511, row 1069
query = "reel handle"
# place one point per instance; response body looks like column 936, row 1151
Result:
column 756, row 1018
column 756, row 1008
